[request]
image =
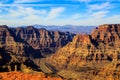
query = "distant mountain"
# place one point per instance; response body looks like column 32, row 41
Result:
column 70, row 28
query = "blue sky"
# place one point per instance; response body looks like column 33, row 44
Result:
column 59, row 12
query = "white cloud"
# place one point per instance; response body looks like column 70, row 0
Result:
column 106, row 5
column 24, row 12
column 20, row 14
column 25, row 1
column 29, row 16
column 55, row 12
column 99, row 14
column 77, row 16
column 114, row 19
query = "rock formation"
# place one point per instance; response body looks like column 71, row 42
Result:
column 41, row 40
column 91, row 54
column 19, row 45
column 26, row 40
column 94, row 56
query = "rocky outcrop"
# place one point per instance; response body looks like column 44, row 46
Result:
column 43, row 41
column 108, row 34
column 28, row 40
column 94, row 56
column 18, row 46
column 90, row 52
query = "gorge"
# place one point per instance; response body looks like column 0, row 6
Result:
column 94, row 56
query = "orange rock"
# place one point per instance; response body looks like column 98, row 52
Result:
column 24, row 76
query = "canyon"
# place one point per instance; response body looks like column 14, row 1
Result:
column 93, row 56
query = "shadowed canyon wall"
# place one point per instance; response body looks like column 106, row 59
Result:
column 21, row 44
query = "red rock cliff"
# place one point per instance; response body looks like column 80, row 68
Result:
column 101, row 46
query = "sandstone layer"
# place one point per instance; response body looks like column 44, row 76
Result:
column 89, row 55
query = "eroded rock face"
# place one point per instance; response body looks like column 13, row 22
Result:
column 90, row 53
column 108, row 34
column 43, row 41
column 21, row 44
column 12, row 44
column 94, row 56
column 26, row 40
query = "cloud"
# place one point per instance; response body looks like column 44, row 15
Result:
column 55, row 12
column 77, row 16
column 105, row 5
column 22, row 16
column 29, row 15
column 114, row 19
column 88, row 1
column 26, row 1
column 92, row 15
column 99, row 14
column 20, row 12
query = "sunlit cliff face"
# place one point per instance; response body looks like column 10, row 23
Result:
column 100, row 50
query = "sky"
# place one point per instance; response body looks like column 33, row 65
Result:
column 59, row 12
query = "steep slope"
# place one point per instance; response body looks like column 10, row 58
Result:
column 20, row 46
column 107, row 34
column 90, row 55
column 43, row 41
column 14, row 52
column 29, row 40
column 10, row 42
